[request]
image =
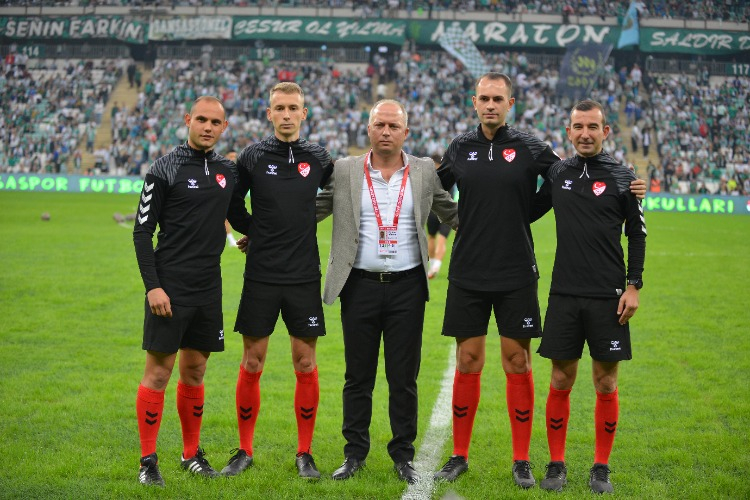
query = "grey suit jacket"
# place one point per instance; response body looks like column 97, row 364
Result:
column 342, row 196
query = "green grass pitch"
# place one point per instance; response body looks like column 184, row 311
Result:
column 70, row 363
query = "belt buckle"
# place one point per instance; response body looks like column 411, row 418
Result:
column 384, row 277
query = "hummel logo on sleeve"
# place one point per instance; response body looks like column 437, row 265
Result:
column 144, row 208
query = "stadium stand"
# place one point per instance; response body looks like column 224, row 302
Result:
column 50, row 112
column 726, row 10
column 435, row 90
column 148, row 129
column 702, row 134
column 79, row 114
column 686, row 116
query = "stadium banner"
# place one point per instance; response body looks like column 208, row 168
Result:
column 515, row 34
column 580, row 68
column 190, row 28
column 520, row 35
column 74, row 27
column 394, row 31
column 465, row 51
column 630, row 33
column 322, row 29
column 696, row 204
column 694, row 41
column 70, row 183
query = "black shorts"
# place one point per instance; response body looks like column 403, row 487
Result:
column 434, row 226
column 467, row 312
column 300, row 305
column 195, row 327
column 570, row 321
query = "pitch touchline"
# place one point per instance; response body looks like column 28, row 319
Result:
column 430, row 452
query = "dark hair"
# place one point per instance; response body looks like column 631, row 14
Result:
column 494, row 75
column 588, row 105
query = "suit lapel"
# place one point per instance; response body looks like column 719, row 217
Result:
column 415, row 176
column 356, row 178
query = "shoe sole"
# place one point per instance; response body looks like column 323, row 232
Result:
column 342, row 477
column 309, row 478
column 524, row 486
column 548, row 488
column 158, row 485
column 227, row 472
column 449, row 479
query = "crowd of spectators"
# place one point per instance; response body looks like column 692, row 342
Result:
column 437, row 92
column 702, row 133
column 698, row 125
column 150, row 128
column 726, row 10
column 48, row 117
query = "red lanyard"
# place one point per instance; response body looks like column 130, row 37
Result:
column 368, row 160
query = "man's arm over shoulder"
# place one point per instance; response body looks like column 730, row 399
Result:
column 542, row 153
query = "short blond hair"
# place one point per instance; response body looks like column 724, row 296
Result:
column 287, row 88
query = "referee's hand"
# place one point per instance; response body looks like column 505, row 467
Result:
column 159, row 302
column 628, row 304
column 242, row 244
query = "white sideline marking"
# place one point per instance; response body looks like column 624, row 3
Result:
column 429, row 454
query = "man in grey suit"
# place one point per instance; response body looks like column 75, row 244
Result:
column 380, row 202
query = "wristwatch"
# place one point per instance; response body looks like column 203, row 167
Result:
column 637, row 283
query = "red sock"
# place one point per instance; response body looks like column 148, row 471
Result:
column 606, row 412
column 466, row 389
column 190, row 409
column 558, row 413
column 149, row 405
column 248, row 406
column 519, row 394
column 306, row 397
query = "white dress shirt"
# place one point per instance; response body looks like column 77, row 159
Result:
column 407, row 256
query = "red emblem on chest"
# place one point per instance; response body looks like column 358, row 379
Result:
column 509, row 154
column 221, row 180
column 304, row 169
column 598, row 188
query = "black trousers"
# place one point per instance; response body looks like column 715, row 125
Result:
column 395, row 310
